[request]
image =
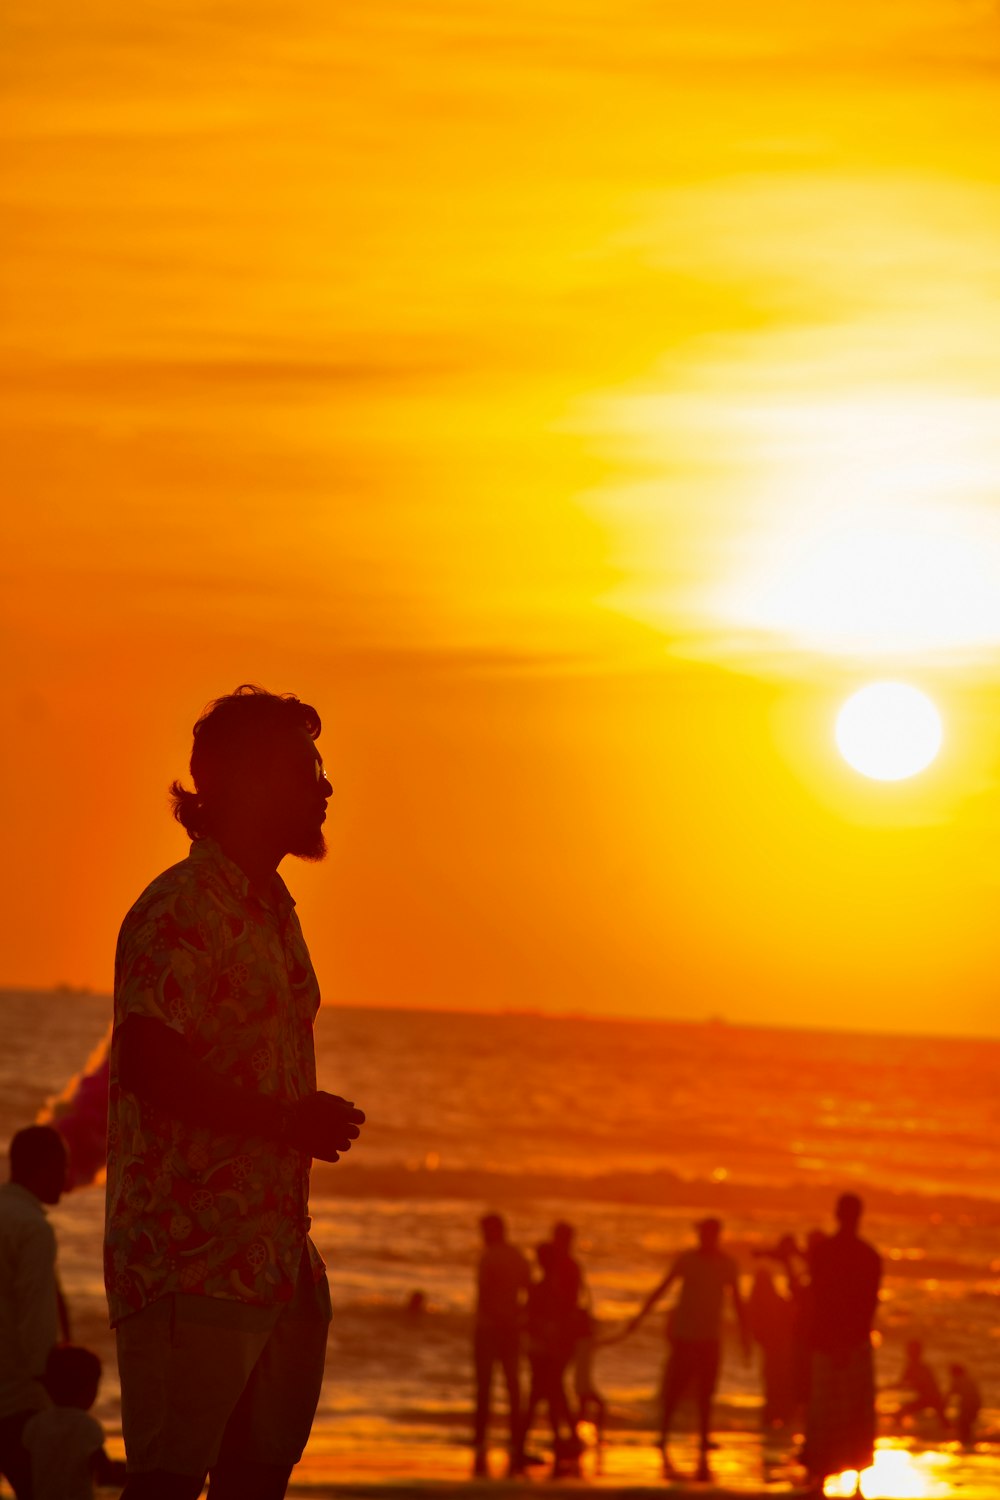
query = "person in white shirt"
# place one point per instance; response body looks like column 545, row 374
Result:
column 694, row 1330
column 28, row 1296
column 65, row 1443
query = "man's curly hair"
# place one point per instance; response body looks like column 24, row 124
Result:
column 230, row 733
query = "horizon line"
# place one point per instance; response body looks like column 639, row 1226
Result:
column 715, row 1019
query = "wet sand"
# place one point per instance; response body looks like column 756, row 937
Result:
column 744, row 1469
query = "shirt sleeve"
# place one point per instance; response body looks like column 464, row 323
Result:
column 35, row 1296
column 163, row 966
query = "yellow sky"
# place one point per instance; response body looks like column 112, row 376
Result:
column 574, row 401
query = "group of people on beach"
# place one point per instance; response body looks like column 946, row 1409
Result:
column 815, row 1340
column 552, row 1310
column 781, row 1323
column 956, row 1408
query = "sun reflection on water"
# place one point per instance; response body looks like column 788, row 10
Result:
column 898, row 1475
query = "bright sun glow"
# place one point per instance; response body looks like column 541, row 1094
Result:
column 888, row 731
column 882, row 537
column 896, row 1475
column 859, row 525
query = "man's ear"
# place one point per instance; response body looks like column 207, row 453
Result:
column 251, row 783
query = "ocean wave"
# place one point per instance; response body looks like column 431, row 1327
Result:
column 800, row 1201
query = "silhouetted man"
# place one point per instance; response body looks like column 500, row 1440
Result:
column 845, row 1274
column 566, row 1269
column 570, row 1307
column 504, row 1277
column 695, row 1331
column 217, row 1294
column 28, row 1294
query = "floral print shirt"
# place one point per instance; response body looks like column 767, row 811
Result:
column 189, row 1210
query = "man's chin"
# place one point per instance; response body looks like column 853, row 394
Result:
column 312, row 848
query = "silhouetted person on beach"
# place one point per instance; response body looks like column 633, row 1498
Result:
column 786, row 1402
column 578, row 1333
column 694, row 1328
column 566, row 1271
column 796, row 1263
column 504, row 1277
column 572, row 1324
column 65, row 1442
column 845, row 1274
column 217, row 1294
column 964, row 1393
column 28, row 1291
column 918, row 1377
column 770, row 1317
column 552, row 1333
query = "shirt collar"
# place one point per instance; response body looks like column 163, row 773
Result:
column 207, row 851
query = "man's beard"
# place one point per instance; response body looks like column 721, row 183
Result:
column 308, row 844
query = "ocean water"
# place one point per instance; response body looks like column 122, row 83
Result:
column 630, row 1130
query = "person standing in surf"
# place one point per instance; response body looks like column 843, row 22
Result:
column 503, row 1280
column 694, row 1329
column 845, row 1274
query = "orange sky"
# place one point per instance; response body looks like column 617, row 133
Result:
column 574, row 402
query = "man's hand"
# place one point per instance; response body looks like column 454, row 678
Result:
column 324, row 1125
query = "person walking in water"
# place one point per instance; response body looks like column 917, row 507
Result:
column 217, row 1294
column 694, row 1328
column 503, row 1281
column 552, row 1332
column 29, row 1318
column 845, row 1274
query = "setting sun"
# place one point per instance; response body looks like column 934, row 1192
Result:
column 889, row 731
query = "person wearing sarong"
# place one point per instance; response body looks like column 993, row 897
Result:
column 845, row 1274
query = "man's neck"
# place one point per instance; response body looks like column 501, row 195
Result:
column 259, row 864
